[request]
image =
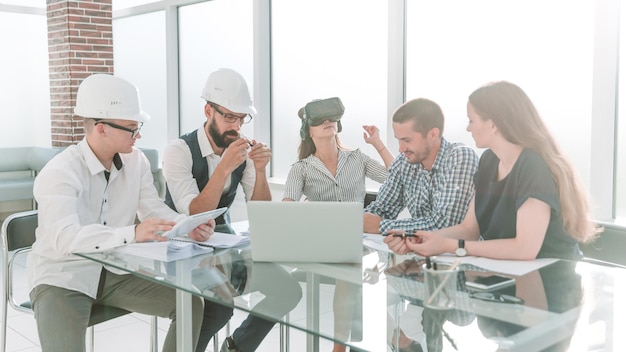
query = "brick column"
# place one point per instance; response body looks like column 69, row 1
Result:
column 80, row 43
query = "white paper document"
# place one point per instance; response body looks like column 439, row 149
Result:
column 511, row 267
column 191, row 222
column 375, row 241
column 166, row 251
column 217, row 240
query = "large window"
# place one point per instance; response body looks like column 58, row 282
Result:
column 212, row 35
column 25, row 88
column 326, row 48
column 451, row 53
column 32, row 3
column 124, row 4
column 323, row 49
column 620, row 143
column 139, row 52
column 453, row 47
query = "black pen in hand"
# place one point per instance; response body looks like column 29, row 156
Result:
column 403, row 235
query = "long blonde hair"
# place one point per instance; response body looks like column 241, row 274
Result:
column 517, row 119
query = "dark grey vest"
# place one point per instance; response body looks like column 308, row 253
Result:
column 200, row 172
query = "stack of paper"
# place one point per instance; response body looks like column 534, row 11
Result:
column 218, row 240
column 165, row 251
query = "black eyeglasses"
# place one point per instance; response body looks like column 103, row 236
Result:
column 232, row 118
column 496, row 297
column 134, row 132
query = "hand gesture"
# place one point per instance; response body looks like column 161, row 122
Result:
column 203, row 232
column 371, row 135
column 426, row 243
column 235, row 154
column 150, row 230
column 260, row 154
column 396, row 244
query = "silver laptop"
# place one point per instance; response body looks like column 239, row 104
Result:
column 313, row 232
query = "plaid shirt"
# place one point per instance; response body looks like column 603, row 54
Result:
column 435, row 199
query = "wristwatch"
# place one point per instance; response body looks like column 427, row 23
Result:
column 461, row 251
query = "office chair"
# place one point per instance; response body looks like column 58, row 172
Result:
column 18, row 235
column 370, row 196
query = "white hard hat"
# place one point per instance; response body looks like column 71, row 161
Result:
column 102, row 96
column 227, row 88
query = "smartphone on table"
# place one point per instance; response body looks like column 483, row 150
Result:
column 490, row 282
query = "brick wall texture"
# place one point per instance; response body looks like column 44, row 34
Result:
column 80, row 43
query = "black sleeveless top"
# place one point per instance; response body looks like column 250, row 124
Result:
column 496, row 202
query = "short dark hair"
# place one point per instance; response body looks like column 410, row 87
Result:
column 424, row 113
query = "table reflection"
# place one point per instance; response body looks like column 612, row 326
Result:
column 555, row 288
column 230, row 273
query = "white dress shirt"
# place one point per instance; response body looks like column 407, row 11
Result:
column 177, row 166
column 79, row 211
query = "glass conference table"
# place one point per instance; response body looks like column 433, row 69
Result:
column 574, row 306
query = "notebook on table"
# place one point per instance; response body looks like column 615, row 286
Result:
column 312, row 232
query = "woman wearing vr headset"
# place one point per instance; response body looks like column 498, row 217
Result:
column 323, row 162
column 327, row 171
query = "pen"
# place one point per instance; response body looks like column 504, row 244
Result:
column 398, row 234
column 247, row 139
column 392, row 234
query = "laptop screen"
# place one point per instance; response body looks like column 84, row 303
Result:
column 322, row 232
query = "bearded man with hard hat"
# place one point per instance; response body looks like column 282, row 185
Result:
column 89, row 196
column 202, row 170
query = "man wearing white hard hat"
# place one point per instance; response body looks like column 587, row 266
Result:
column 88, row 197
column 203, row 169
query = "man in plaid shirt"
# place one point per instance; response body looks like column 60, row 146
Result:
column 431, row 177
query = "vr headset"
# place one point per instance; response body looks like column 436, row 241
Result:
column 317, row 111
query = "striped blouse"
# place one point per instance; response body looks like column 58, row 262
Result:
column 311, row 178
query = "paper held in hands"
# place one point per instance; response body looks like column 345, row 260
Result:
column 191, row 222
column 165, row 251
column 217, row 240
column 181, row 247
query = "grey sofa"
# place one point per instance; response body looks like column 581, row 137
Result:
column 19, row 167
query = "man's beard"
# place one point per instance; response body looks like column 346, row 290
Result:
column 220, row 139
column 420, row 156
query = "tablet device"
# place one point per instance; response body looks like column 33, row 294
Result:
column 490, row 282
column 191, row 222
